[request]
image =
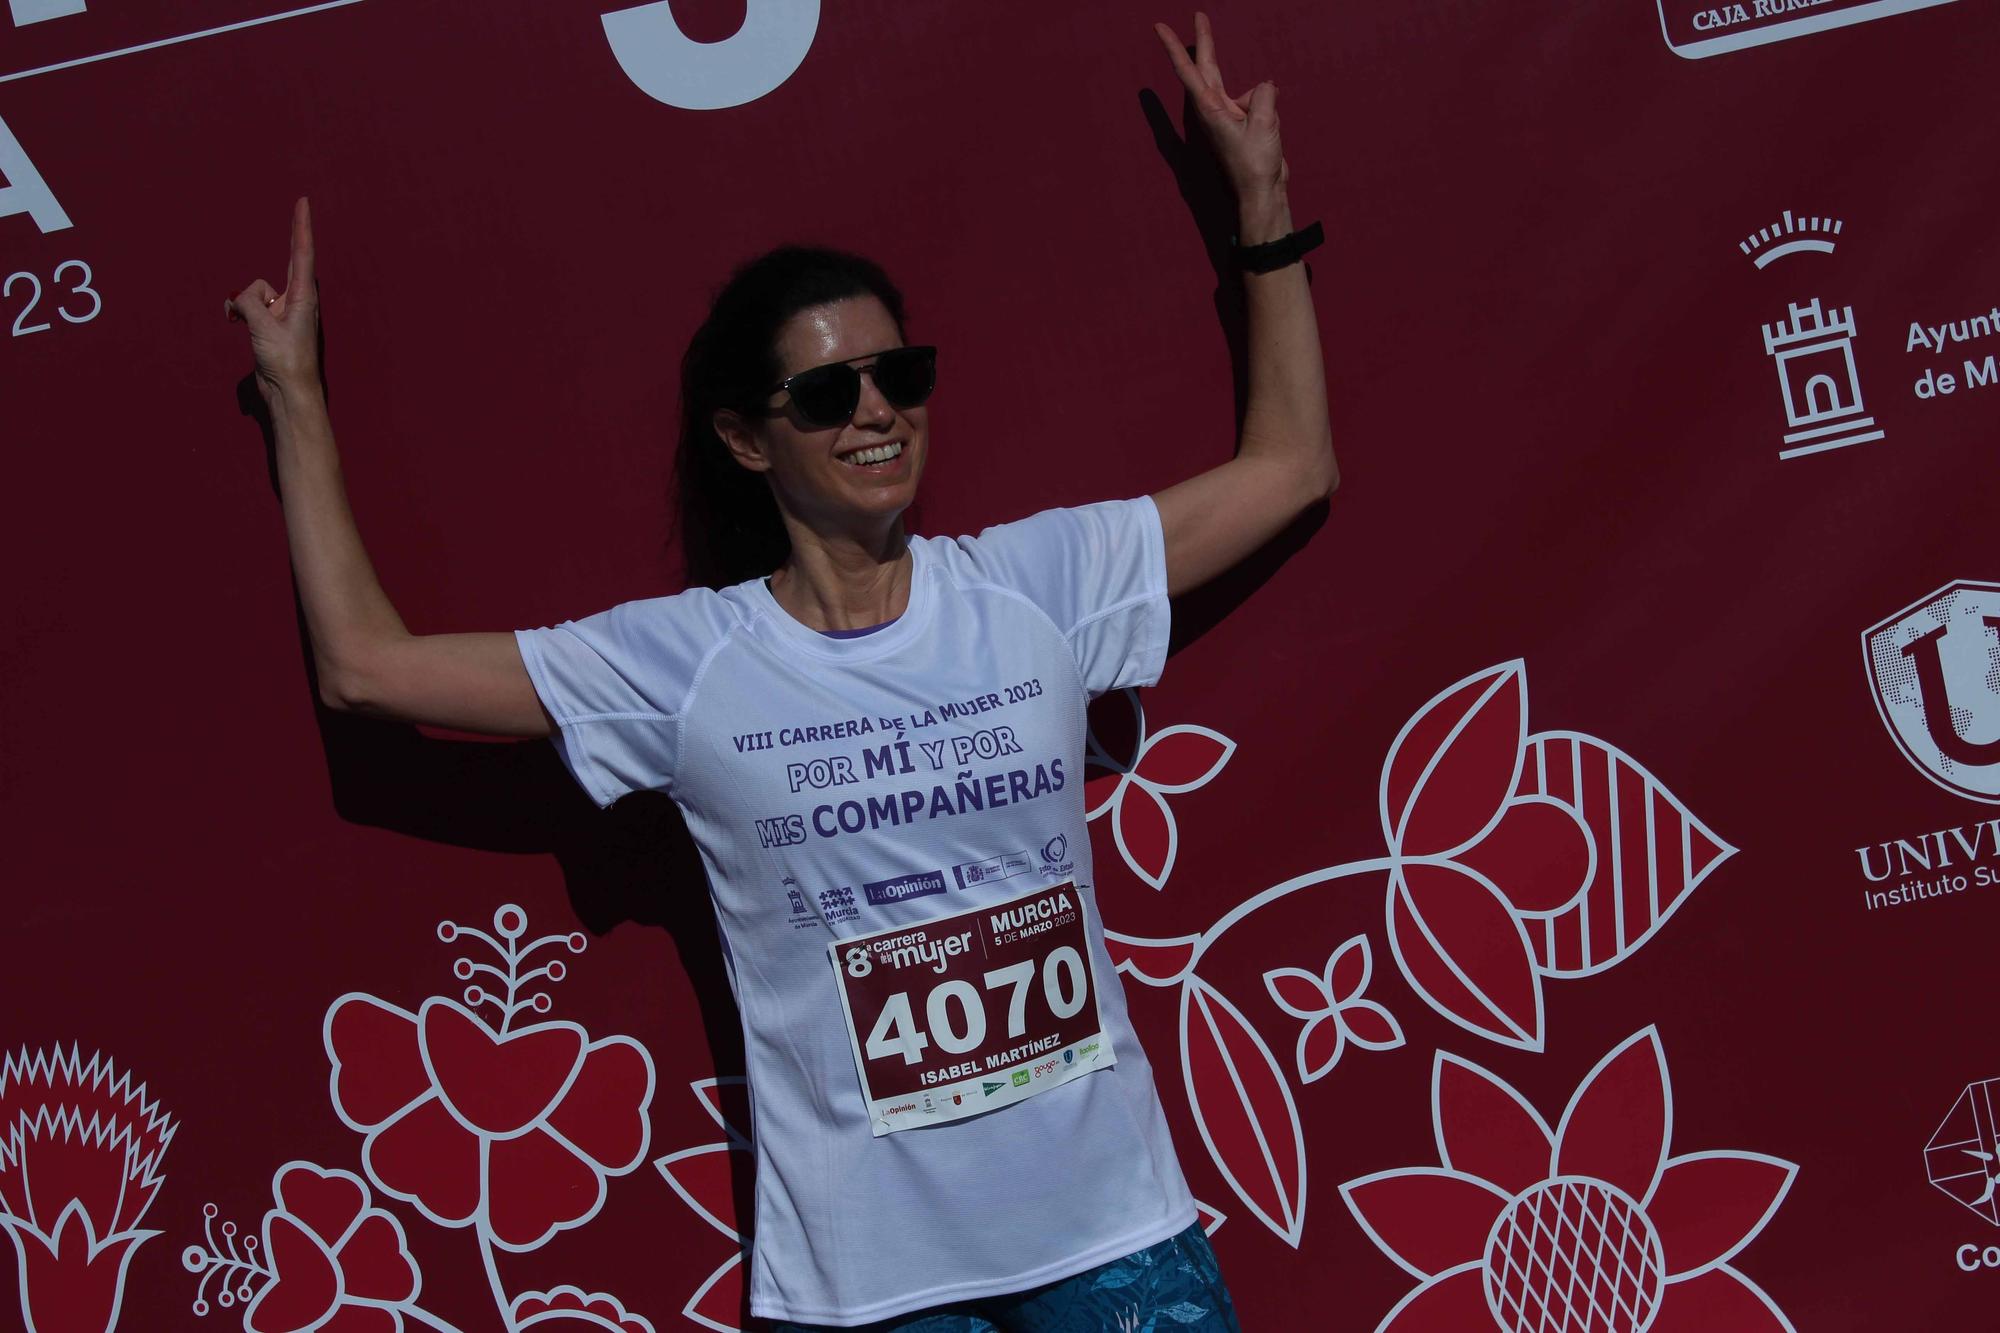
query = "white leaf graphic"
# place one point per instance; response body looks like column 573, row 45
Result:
column 1147, row 836
column 1651, row 852
column 1182, row 757
column 1244, row 1109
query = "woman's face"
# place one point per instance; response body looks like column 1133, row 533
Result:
column 813, row 469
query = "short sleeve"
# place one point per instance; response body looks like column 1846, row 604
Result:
column 1100, row 573
column 615, row 683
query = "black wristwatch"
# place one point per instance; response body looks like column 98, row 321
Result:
column 1276, row 254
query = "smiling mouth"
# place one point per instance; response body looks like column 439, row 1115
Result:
column 881, row 453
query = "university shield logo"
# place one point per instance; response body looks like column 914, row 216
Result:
column 1934, row 668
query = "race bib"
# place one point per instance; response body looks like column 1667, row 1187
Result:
column 973, row 1011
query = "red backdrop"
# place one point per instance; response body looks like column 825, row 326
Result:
column 1544, row 843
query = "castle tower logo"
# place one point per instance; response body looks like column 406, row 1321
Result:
column 1934, row 668
column 1814, row 350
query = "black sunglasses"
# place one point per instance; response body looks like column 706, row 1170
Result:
column 827, row 395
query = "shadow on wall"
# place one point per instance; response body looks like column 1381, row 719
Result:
column 618, row 864
column 1211, row 206
column 501, row 796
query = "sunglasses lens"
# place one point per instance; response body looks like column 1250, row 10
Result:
column 906, row 375
column 826, row 395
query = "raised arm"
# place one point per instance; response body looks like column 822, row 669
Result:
column 1284, row 460
column 366, row 660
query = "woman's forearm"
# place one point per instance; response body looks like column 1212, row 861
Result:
column 365, row 660
column 1285, row 420
column 347, row 612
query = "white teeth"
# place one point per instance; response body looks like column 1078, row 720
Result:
column 881, row 453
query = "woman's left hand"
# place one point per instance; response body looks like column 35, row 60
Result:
column 1244, row 129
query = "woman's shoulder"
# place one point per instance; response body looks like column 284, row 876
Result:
column 679, row 625
column 1045, row 541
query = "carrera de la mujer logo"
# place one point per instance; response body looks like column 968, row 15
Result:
column 1934, row 669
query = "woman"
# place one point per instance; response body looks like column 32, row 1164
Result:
column 878, row 749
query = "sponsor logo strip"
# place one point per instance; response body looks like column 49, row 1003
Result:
column 883, row 892
column 971, row 874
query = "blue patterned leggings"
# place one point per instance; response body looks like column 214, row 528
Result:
column 1172, row 1287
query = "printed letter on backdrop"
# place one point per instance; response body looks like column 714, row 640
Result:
column 707, row 76
column 26, row 191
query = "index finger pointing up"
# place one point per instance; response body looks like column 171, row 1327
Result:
column 299, row 277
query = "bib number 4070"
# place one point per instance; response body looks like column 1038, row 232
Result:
column 956, row 1010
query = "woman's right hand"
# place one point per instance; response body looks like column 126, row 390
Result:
column 284, row 326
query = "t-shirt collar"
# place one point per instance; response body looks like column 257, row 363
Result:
column 867, row 646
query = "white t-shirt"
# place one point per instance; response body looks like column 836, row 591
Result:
column 724, row 701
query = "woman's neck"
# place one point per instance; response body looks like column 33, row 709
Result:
column 833, row 583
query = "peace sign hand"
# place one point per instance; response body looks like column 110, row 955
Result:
column 1244, row 129
column 284, row 326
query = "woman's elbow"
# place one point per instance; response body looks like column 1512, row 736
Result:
column 1323, row 478
column 342, row 686
column 334, row 695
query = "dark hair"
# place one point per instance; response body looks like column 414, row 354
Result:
column 729, row 525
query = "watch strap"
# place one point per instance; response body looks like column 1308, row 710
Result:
column 1276, row 254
